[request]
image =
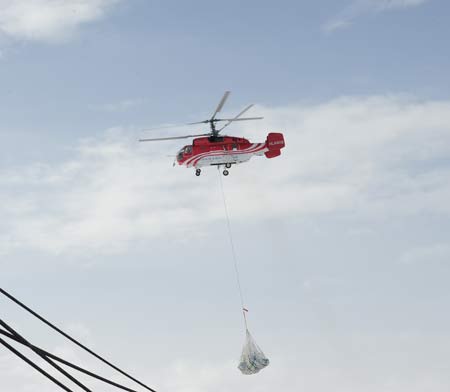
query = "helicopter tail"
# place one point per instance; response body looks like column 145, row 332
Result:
column 274, row 142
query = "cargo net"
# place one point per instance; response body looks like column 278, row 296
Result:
column 252, row 357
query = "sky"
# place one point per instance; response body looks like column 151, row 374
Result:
column 342, row 241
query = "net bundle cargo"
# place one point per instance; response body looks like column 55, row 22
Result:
column 252, row 358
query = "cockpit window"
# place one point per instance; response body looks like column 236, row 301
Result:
column 185, row 150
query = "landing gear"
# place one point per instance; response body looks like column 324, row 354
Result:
column 198, row 172
column 226, row 172
column 227, row 165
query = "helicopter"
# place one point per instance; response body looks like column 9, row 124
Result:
column 214, row 149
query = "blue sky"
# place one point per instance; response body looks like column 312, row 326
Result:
column 175, row 57
column 342, row 241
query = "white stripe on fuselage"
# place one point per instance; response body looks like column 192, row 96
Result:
column 219, row 157
column 252, row 147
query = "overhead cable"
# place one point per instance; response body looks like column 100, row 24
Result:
column 67, row 363
column 73, row 340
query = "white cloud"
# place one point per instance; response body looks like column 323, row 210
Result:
column 49, row 20
column 120, row 106
column 427, row 254
column 362, row 7
column 369, row 158
column 389, row 4
column 395, row 362
column 328, row 366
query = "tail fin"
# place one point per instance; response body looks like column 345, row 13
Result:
column 274, row 142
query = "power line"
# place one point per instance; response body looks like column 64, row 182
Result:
column 73, row 340
column 32, row 364
column 66, row 363
column 44, row 357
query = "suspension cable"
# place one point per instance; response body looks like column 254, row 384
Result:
column 233, row 251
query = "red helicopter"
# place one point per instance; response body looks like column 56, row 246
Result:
column 213, row 149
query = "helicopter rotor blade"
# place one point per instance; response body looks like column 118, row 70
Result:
column 226, row 119
column 221, row 103
column 158, row 139
column 238, row 117
column 168, row 126
column 212, row 121
column 201, row 122
column 218, row 109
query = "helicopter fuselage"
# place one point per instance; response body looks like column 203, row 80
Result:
column 227, row 150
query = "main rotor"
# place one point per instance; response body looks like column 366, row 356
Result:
column 212, row 122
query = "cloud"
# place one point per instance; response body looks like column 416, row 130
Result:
column 50, row 21
column 381, row 364
column 427, row 254
column 369, row 158
column 362, row 7
column 120, row 106
column 389, row 363
column 396, row 361
column 390, row 4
